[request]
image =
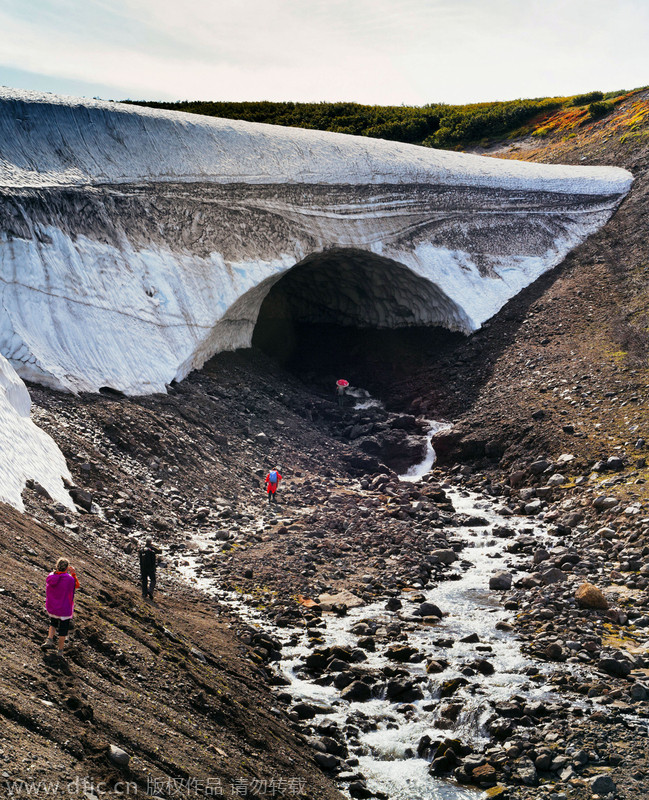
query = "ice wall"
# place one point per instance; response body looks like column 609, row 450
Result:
column 136, row 243
column 25, row 450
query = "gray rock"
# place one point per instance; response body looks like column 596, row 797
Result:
column 553, row 575
column 500, row 580
column 534, row 507
column 603, row 785
column 603, row 503
column 445, row 556
column 118, row 756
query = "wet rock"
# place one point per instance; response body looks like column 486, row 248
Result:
column 327, row 601
column 446, row 556
column 305, row 710
column 359, row 789
column 393, row 604
column 500, row 580
column 326, row 761
column 400, row 652
column 429, row 610
column 589, row 596
column 357, row 691
column 81, row 498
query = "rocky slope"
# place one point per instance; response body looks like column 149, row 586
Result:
column 551, row 427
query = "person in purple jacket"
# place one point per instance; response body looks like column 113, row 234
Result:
column 60, row 587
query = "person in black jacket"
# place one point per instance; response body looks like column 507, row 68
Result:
column 148, row 561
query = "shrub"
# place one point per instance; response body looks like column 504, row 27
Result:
column 586, row 99
column 600, row 109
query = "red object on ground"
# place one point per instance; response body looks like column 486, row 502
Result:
column 342, row 382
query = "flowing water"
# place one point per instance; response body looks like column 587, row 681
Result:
column 386, row 752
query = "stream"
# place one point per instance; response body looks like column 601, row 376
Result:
column 382, row 735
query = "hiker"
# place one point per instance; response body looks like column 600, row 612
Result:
column 148, row 562
column 341, row 391
column 60, row 587
column 272, row 480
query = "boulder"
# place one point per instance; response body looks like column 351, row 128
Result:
column 589, row 596
column 344, row 597
column 357, row 691
column 603, row 785
column 446, row 556
column 500, row 580
column 429, row 610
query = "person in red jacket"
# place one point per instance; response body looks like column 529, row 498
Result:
column 272, row 480
column 60, row 587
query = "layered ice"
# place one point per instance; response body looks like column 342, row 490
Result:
column 136, row 243
column 26, row 451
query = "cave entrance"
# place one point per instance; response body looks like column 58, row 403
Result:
column 354, row 313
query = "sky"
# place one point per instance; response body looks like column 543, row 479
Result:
column 387, row 52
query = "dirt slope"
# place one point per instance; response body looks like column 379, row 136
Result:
column 171, row 685
column 573, row 346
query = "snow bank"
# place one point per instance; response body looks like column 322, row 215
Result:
column 136, row 243
column 25, row 450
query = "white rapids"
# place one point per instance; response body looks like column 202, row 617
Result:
column 387, row 754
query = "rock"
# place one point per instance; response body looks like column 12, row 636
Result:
column 614, row 463
column 81, row 498
column 589, row 596
column 344, row 597
column 400, row 652
column 603, row 503
column 444, row 556
column 305, row 710
column 553, row 575
column 527, row 772
column 357, row 691
column 359, row 789
column 554, row 652
column 393, row 604
column 556, row 480
column 118, row 756
column 537, row 467
column 326, row 761
column 603, row 785
column 484, row 775
column 500, row 580
column 429, row 610
column 615, row 667
column 534, row 507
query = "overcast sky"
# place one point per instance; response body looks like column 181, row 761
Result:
column 369, row 51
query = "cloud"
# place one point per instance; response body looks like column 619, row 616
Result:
column 372, row 51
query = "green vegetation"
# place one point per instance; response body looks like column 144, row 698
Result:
column 600, row 109
column 586, row 99
column 435, row 125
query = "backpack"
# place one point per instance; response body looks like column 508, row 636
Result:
column 272, row 476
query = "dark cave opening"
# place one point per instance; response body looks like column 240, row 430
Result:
column 356, row 315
